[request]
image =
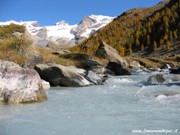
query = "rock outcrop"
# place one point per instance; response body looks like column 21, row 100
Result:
column 116, row 63
column 19, row 85
column 58, row 75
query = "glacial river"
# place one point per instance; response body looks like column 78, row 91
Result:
column 125, row 105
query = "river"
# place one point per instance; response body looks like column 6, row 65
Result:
column 125, row 105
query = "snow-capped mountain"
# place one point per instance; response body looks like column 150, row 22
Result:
column 62, row 33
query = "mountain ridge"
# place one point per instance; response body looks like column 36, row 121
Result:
column 137, row 30
column 63, row 34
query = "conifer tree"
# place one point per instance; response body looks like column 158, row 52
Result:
column 130, row 49
column 148, row 40
column 161, row 42
column 154, row 46
column 168, row 46
column 170, row 35
column 142, row 48
column 122, row 51
column 174, row 34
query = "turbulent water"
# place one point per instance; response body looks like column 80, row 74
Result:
column 125, row 105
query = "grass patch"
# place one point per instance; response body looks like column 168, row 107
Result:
column 14, row 43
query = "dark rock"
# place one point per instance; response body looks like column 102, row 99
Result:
column 19, row 85
column 165, row 66
column 118, row 69
column 175, row 70
column 58, row 75
column 92, row 63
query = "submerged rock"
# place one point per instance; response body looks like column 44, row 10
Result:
column 161, row 78
column 58, row 75
column 157, row 78
column 19, row 85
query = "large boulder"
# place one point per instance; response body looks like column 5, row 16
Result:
column 118, row 69
column 106, row 51
column 19, row 85
column 58, row 75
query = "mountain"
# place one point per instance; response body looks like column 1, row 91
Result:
column 62, row 33
column 140, row 31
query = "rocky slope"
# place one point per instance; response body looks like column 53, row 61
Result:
column 62, row 33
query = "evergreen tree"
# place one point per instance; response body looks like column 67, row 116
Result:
column 130, row 49
column 142, row 48
column 174, row 34
column 170, row 35
column 168, row 46
column 148, row 40
column 154, row 46
column 122, row 51
column 161, row 42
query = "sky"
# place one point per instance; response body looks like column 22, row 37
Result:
column 48, row 12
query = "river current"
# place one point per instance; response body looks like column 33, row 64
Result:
column 124, row 105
